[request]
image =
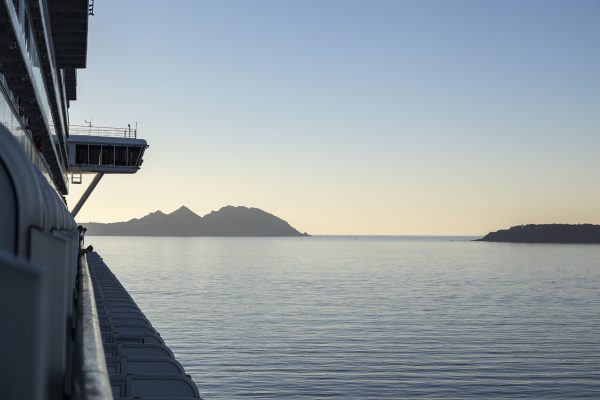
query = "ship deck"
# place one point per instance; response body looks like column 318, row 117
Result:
column 139, row 363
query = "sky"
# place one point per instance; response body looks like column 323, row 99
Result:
column 351, row 117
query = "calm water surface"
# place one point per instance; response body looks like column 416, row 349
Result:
column 370, row 318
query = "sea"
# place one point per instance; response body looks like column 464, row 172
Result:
column 370, row 317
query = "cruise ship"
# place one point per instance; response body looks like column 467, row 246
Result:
column 69, row 329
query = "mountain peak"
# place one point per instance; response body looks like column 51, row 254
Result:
column 233, row 208
column 154, row 214
column 183, row 210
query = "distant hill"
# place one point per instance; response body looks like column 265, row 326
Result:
column 228, row 221
column 546, row 233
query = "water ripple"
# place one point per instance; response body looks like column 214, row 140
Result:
column 370, row 319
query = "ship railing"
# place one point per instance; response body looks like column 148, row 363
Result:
column 90, row 380
column 128, row 132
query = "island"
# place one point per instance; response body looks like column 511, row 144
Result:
column 228, row 221
column 547, row 233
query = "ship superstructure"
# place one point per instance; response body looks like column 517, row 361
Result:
column 53, row 343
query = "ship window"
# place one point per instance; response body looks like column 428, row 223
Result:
column 120, row 155
column 134, row 155
column 108, row 155
column 81, row 154
column 95, row 155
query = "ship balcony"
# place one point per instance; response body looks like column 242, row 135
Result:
column 105, row 150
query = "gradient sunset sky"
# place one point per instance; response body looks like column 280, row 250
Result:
column 351, row 117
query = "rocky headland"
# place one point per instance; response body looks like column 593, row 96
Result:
column 546, row 233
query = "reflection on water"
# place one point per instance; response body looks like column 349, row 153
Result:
column 374, row 318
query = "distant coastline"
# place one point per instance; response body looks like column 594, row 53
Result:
column 547, row 233
column 228, row 221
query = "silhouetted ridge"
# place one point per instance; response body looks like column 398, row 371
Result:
column 244, row 221
column 228, row 221
column 546, row 233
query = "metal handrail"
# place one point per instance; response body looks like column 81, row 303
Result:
column 90, row 130
column 91, row 381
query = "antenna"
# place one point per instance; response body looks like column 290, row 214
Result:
column 89, row 124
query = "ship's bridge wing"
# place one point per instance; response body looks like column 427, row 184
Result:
column 99, row 151
column 105, row 150
column 105, row 154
